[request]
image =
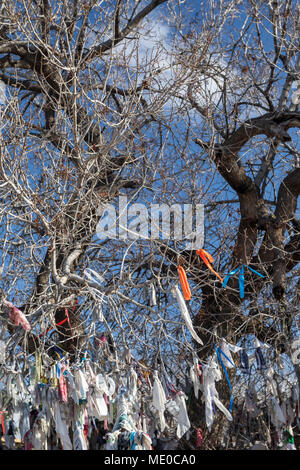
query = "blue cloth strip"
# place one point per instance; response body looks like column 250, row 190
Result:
column 58, row 369
column 242, row 282
column 49, row 333
column 226, row 357
column 240, row 269
column 226, row 279
column 253, row 270
column 131, row 440
column 218, row 350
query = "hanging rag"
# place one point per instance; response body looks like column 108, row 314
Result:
column 184, row 283
column 289, row 442
column 61, row 428
column 219, row 354
column 244, row 362
column 185, row 314
column 132, row 443
column 183, row 420
column 81, row 385
column 152, row 295
column 295, row 396
column 259, row 344
column 240, row 271
column 277, row 417
column 79, row 442
column 62, row 386
column 212, row 374
column 199, row 438
column 2, row 421
column 207, row 258
column 2, row 351
column 270, row 382
column 195, row 380
column 260, row 360
column 98, row 397
column 196, row 375
column 226, row 347
column 159, row 399
column 38, row 367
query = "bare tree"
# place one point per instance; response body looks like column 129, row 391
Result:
column 162, row 102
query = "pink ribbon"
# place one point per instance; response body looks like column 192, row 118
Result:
column 199, row 437
column 16, row 316
column 62, row 386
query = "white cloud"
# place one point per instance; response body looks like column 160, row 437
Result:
column 150, row 48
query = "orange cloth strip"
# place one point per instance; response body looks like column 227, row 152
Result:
column 207, row 258
column 184, row 283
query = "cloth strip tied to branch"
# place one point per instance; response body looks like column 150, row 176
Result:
column 240, row 270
